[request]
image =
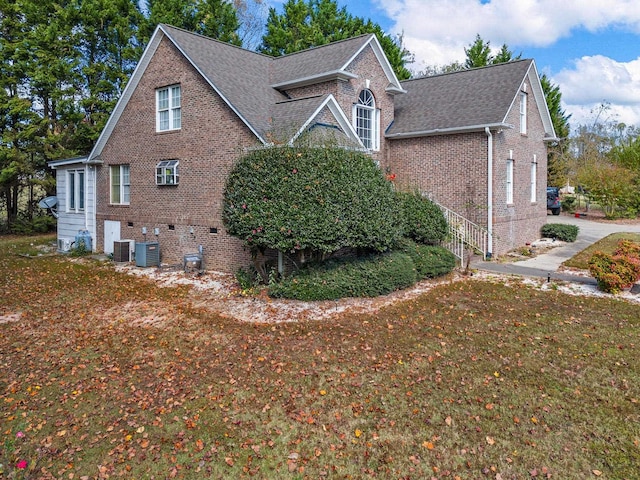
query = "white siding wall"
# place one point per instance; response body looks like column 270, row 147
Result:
column 69, row 223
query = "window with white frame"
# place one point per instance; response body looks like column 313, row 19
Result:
column 120, row 185
column 75, row 190
column 534, row 179
column 509, row 183
column 523, row 113
column 169, row 113
column 367, row 120
column 167, row 172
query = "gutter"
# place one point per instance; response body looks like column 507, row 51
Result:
column 487, row 131
column 451, row 130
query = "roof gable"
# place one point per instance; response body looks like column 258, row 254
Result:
column 465, row 101
column 328, row 62
column 247, row 81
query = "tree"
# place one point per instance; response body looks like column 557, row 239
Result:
column 602, row 163
column 312, row 23
column 310, row 201
column 252, row 17
column 557, row 158
column 478, row 54
column 213, row 18
column 107, row 38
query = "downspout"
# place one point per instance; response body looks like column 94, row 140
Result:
column 489, row 192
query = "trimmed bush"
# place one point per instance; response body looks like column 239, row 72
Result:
column 422, row 220
column 560, row 231
column 308, row 200
column 366, row 276
column 430, row 261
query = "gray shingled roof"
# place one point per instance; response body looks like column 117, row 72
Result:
column 460, row 100
column 240, row 76
column 316, row 61
column 245, row 78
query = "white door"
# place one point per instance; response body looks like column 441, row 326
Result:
column 111, row 234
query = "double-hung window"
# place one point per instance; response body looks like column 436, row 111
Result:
column 169, row 113
column 75, row 190
column 534, row 179
column 509, row 182
column 167, row 172
column 523, row 113
column 367, row 120
column 120, row 185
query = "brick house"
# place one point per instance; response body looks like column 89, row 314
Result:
column 473, row 141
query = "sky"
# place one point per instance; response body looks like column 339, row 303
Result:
column 589, row 48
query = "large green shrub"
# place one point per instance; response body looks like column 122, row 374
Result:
column 365, row 276
column 422, row 220
column 296, row 199
column 560, row 231
column 430, row 261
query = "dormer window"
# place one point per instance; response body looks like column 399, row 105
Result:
column 169, row 114
column 167, row 172
column 367, row 120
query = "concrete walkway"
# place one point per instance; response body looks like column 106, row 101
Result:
column 546, row 265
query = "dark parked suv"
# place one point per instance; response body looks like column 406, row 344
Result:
column 553, row 200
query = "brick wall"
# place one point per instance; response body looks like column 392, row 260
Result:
column 521, row 221
column 452, row 169
column 210, row 139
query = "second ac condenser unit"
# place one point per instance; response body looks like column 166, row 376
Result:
column 147, row 254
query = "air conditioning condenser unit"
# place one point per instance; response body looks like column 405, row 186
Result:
column 122, row 250
column 147, row 254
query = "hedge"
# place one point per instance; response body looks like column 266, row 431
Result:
column 560, row 231
column 366, row 276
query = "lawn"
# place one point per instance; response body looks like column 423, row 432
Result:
column 104, row 375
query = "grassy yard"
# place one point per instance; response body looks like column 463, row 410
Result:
column 104, row 375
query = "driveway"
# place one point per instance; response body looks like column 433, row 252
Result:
column 547, row 264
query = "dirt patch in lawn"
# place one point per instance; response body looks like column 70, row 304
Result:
column 220, row 293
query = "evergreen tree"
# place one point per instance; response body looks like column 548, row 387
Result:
column 478, row 54
column 312, row 23
column 212, row 18
column 107, row 39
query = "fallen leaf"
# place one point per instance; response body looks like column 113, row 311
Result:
column 597, row 473
column 490, row 440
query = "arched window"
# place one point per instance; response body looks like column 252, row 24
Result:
column 367, row 120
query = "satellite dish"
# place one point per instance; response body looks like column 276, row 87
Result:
column 49, row 203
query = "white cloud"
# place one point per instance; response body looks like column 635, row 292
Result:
column 597, row 79
column 437, row 32
column 452, row 24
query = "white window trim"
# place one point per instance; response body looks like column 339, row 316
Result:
column 375, row 120
column 124, row 188
column 534, row 179
column 173, row 108
column 76, row 196
column 509, row 181
column 167, row 172
column 523, row 113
